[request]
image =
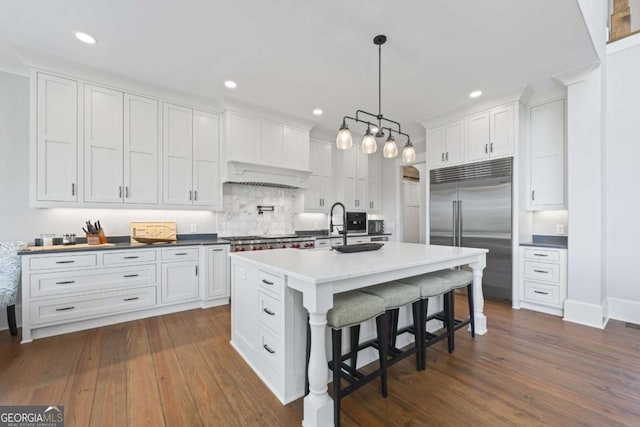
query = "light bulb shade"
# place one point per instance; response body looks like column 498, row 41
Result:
column 369, row 144
column 390, row 149
column 408, row 154
column 344, row 140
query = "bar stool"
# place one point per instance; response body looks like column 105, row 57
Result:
column 350, row 309
column 459, row 278
column 396, row 295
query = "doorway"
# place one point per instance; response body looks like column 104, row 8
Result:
column 411, row 204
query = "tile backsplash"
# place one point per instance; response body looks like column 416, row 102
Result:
column 240, row 215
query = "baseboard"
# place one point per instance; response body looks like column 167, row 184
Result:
column 623, row 310
column 584, row 314
column 4, row 325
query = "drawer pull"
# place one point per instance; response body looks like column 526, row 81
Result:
column 182, row 253
column 266, row 282
column 66, row 282
column 540, row 255
column 541, row 271
column 65, row 308
column 269, row 312
column 541, row 293
column 269, row 349
column 131, row 257
column 64, row 262
column 131, row 299
column 131, row 275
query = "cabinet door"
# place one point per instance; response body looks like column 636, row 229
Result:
column 454, row 142
column 296, row 148
column 178, row 155
column 362, row 164
column 244, row 138
column 324, row 159
column 103, row 145
column 477, row 146
column 435, row 146
column 179, row 281
column 375, row 182
column 141, row 148
column 547, row 154
column 362, row 179
column 217, row 277
column 57, row 139
column 502, row 131
column 206, row 159
column 325, row 192
column 271, row 143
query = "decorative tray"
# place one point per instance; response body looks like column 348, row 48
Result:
column 152, row 240
column 358, row 247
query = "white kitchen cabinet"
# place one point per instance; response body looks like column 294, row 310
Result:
column 55, row 172
column 319, row 196
column 179, row 281
column 547, row 161
column 191, row 157
column 296, row 148
column 374, row 180
column 490, row 133
column 543, row 279
column 355, row 167
column 103, row 145
column 217, row 278
column 445, row 144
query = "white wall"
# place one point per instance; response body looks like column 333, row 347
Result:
column 622, row 176
column 635, row 14
column 545, row 222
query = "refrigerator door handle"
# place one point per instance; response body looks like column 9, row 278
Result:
column 459, row 223
column 455, row 220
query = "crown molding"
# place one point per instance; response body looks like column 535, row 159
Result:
column 577, row 74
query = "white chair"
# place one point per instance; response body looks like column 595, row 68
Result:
column 10, row 279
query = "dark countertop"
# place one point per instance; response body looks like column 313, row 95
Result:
column 551, row 242
column 123, row 242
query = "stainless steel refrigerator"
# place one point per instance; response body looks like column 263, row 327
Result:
column 470, row 205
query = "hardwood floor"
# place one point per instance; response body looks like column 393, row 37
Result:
column 179, row 370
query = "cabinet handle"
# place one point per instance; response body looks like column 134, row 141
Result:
column 73, row 188
column 120, row 191
column 486, row 148
column 131, row 299
column 266, row 282
column 66, row 282
column 541, row 271
column 491, row 147
column 443, row 156
column 196, row 270
column 533, row 194
column 540, row 255
column 447, row 156
column 126, row 191
column 65, row 262
column 269, row 312
column 266, row 347
column 540, row 292
column 132, row 257
column 131, row 275
column 195, row 194
column 190, row 195
column 65, row 308
column 181, row 253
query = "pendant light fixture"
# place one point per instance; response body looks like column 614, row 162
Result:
column 344, row 139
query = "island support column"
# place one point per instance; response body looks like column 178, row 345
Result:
column 480, row 319
column 318, row 406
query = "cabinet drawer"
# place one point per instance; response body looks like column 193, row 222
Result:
column 63, row 261
column 537, row 292
column 270, row 350
column 46, row 284
column 270, row 312
column 180, row 253
column 128, row 257
column 323, row 243
column 540, row 271
column 542, row 255
column 87, row 306
column 270, row 282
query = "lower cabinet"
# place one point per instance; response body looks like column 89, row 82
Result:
column 543, row 279
column 79, row 290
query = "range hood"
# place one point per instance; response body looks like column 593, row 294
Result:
column 265, row 175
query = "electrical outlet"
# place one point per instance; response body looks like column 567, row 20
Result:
column 559, row 228
column 194, row 228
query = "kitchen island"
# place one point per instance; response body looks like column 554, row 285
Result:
column 272, row 291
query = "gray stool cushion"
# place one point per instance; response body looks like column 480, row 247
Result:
column 394, row 294
column 430, row 285
column 457, row 278
column 352, row 308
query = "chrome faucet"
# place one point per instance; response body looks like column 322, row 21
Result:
column 344, row 222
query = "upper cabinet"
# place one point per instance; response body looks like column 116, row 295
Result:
column 547, row 156
column 319, row 196
column 490, row 133
column 54, row 164
column 206, row 159
column 351, row 173
column 445, row 144
column 374, row 179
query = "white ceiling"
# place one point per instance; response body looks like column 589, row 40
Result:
column 296, row 55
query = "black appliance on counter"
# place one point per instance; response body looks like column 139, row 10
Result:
column 376, row 226
column 356, row 223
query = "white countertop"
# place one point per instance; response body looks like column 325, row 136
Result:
column 325, row 265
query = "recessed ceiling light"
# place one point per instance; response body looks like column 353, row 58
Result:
column 84, row 37
column 475, row 94
column 230, row 84
column 317, row 112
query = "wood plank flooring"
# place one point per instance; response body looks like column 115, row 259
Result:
column 179, row 370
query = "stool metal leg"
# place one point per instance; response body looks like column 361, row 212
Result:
column 423, row 333
column 418, row 335
column 450, row 316
column 336, row 335
column 355, row 342
column 11, row 320
column 471, row 310
column 383, row 334
column 393, row 314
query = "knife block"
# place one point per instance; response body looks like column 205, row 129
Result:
column 97, row 239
